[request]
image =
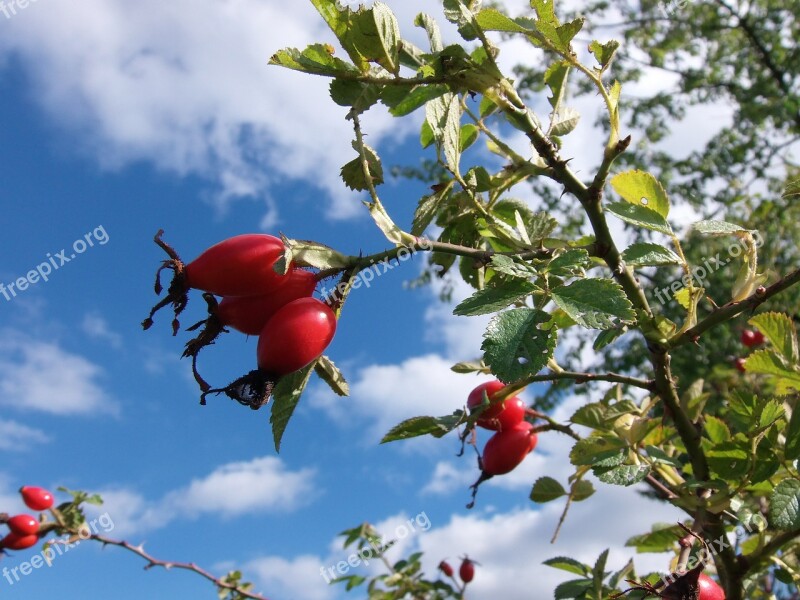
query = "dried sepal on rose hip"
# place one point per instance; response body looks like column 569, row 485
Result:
column 293, row 338
column 246, row 314
column 242, row 265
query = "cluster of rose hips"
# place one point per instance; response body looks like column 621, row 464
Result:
column 293, row 328
column 750, row 338
column 24, row 528
column 514, row 437
column 466, row 572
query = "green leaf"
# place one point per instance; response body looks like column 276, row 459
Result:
column 768, row 362
column 625, row 475
column 313, row 254
column 716, row 429
column 570, row 565
column 607, row 337
column 339, row 19
column 792, row 189
column 353, row 172
column 514, row 345
column 792, row 449
column 581, row 490
column 592, row 415
column 662, row 538
column 564, row 121
column 513, row 266
column 597, row 449
column 490, row 19
column 547, row 489
column 556, row 78
column 417, row 426
column 604, row 53
column 576, row 588
column 593, row 303
column 443, row 114
column 717, row 228
column 431, row 27
column 469, row 367
column 317, row 59
column 468, row 136
column 389, row 36
column 428, row 207
column 285, row 398
column 405, row 100
column 649, row 255
column 359, row 96
column 492, row 299
column 642, row 189
column 641, row 216
column 330, row 374
column 569, row 263
column 779, row 329
column 426, row 135
column 599, row 572
column 769, row 414
column 784, row 509
column 729, row 460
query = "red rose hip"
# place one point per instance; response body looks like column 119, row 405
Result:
column 239, row 266
column 23, row 525
column 506, row 449
column 295, row 336
column 36, row 498
column 709, row 589
column 249, row 314
column 15, row 541
column 467, row 570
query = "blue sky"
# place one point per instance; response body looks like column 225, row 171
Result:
column 122, row 118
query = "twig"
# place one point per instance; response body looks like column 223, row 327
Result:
column 154, row 562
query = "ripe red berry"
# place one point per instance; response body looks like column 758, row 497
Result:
column 503, row 415
column 445, row 568
column 239, row 266
column 36, row 498
column 506, row 449
column 249, row 314
column 752, row 338
column 739, row 364
column 23, row 525
column 709, row 589
column 467, row 570
column 14, row 541
column 295, row 336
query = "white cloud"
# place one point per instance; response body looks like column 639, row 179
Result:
column 283, row 579
column 42, row 376
column 381, row 395
column 259, row 486
column 96, row 327
column 186, row 86
column 16, row 436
